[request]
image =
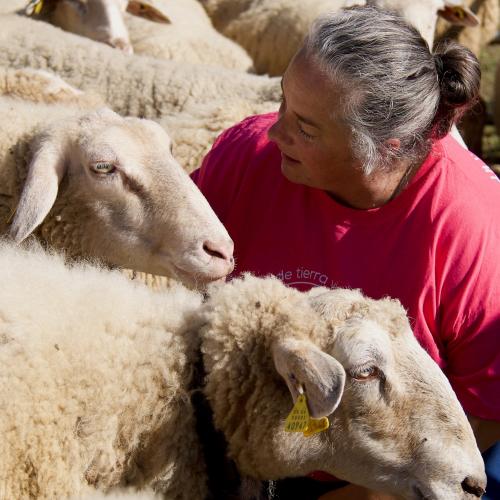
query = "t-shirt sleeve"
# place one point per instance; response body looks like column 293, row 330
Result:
column 470, row 317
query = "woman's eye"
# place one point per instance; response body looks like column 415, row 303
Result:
column 103, row 167
column 305, row 134
column 366, row 373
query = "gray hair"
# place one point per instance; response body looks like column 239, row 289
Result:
column 394, row 87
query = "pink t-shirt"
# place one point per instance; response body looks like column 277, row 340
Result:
column 435, row 247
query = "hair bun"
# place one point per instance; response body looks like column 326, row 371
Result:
column 459, row 76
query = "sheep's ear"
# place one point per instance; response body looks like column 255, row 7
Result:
column 40, row 190
column 458, row 14
column 321, row 376
column 144, row 8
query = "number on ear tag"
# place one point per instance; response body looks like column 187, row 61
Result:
column 298, row 418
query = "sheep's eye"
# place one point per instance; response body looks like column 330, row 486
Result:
column 365, row 373
column 103, row 167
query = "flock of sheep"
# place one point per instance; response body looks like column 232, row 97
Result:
column 100, row 376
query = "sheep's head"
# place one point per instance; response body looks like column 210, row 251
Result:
column 115, row 192
column 395, row 423
column 100, row 20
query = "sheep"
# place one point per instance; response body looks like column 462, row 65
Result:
column 42, row 86
column 192, row 131
column 476, row 36
column 136, row 86
column 359, row 365
column 177, row 29
column 98, row 185
column 102, row 399
column 189, row 37
column 272, row 30
column 98, row 394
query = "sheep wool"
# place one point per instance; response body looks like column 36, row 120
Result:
column 130, row 85
column 95, row 382
column 189, row 37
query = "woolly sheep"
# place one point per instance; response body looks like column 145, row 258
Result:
column 359, row 363
column 95, row 376
column 181, row 30
column 136, row 86
column 272, row 30
column 41, row 86
column 97, row 185
column 189, row 37
column 103, row 398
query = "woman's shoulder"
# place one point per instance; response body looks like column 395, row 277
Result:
column 252, row 131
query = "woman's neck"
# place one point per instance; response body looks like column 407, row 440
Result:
column 377, row 188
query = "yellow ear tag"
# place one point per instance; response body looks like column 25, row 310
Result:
column 316, row 425
column 459, row 12
column 299, row 419
column 34, row 7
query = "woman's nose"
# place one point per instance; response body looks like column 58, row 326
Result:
column 277, row 132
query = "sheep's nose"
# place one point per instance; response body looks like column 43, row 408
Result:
column 121, row 44
column 220, row 250
column 474, row 486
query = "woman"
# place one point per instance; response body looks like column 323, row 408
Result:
column 356, row 183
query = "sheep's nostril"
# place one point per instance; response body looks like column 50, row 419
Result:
column 213, row 252
column 219, row 251
column 473, row 486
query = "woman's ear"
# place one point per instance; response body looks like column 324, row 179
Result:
column 393, row 144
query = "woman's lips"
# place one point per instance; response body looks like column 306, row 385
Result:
column 287, row 158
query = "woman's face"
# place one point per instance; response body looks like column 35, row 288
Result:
column 315, row 143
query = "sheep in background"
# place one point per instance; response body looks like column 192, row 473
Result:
column 474, row 37
column 138, row 85
column 175, row 29
column 97, row 185
column 95, row 386
column 272, row 30
column 41, row 86
column 189, row 37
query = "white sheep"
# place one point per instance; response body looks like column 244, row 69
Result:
column 98, row 185
column 138, row 85
column 272, row 30
column 188, row 37
column 390, row 408
column 95, row 381
column 174, row 29
column 41, row 86
column 96, row 374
